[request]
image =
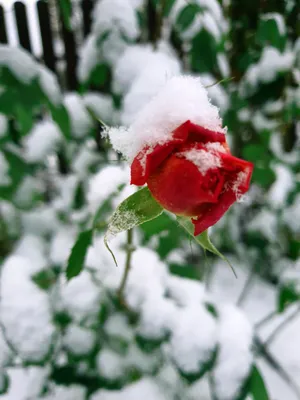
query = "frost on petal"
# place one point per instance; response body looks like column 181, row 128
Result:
column 235, row 357
column 203, row 159
column 182, row 98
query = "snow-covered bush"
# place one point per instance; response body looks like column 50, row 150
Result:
column 180, row 326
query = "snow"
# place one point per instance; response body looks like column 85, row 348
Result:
column 72, row 392
column 49, row 85
column 117, row 325
column 88, row 58
column 61, row 244
column 281, row 188
column 104, row 184
column 157, row 314
column 147, row 84
column 80, row 297
column 31, row 220
column 144, row 388
column 234, row 359
column 185, row 291
column 182, row 98
column 4, row 171
column 203, row 159
column 41, row 140
column 135, row 60
column 19, row 62
column 32, row 247
column 81, row 121
column 291, row 215
column 119, row 13
column 79, row 341
column 25, row 383
column 278, row 18
column 270, row 64
column 3, row 124
column 276, row 147
column 25, row 310
column 192, row 345
column 265, row 222
column 111, row 365
column 215, row 91
column 101, row 105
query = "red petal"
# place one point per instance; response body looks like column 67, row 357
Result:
column 180, row 188
column 211, row 213
column 146, row 162
column 237, row 185
column 203, row 135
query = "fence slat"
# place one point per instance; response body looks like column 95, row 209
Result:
column 46, row 34
column 3, row 31
column 70, row 55
column 87, row 7
column 22, row 25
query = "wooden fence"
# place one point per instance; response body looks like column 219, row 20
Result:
column 49, row 56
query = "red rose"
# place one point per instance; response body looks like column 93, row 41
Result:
column 193, row 174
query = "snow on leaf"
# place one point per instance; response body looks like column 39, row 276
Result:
column 138, row 208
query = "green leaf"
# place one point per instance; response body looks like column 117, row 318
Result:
column 287, row 296
column 257, row 386
column 268, row 34
column 202, row 239
column 168, row 7
column 78, row 253
column 138, row 208
column 204, row 52
column 66, row 11
column 187, row 16
column 61, row 117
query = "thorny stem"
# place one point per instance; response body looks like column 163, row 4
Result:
column 129, row 250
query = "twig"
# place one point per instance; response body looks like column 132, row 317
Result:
column 281, row 326
column 266, row 319
column 129, row 250
column 247, row 287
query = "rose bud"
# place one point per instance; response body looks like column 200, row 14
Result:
column 193, row 174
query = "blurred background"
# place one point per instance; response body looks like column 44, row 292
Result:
column 187, row 328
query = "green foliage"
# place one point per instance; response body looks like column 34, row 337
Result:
column 78, row 253
column 138, row 208
column 187, row 16
column 287, row 295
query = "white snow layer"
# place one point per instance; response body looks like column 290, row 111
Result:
column 119, row 13
column 81, row 120
column 101, row 105
column 235, row 357
column 145, row 388
column 25, row 69
column 25, row 309
column 278, row 18
column 41, row 140
column 270, row 64
column 182, row 98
